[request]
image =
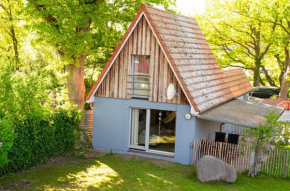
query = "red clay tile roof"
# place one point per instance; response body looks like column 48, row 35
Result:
column 283, row 102
column 203, row 81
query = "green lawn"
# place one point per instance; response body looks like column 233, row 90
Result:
column 123, row 172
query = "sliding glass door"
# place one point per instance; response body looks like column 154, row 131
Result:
column 162, row 130
column 138, row 128
column 153, row 130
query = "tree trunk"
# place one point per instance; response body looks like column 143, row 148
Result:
column 261, row 81
column 256, row 77
column 281, row 77
column 258, row 152
column 15, row 46
column 283, row 66
column 285, row 83
column 268, row 77
column 76, row 84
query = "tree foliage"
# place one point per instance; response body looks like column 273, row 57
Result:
column 42, row 44
column 82, row 29
column 266, row 132
column 251, row 35
column 10, row 28
column 35, row 122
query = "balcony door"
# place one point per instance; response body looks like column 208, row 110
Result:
column 153, row 130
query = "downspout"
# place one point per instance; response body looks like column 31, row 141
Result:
column 221, row 126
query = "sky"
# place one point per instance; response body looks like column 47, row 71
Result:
column 188, row 7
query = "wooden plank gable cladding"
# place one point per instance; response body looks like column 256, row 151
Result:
column 116, row 83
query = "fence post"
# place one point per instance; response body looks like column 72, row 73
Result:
column 286, row 164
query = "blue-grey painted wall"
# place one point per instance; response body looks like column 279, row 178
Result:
column 111, row 126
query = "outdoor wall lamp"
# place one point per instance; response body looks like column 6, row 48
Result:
column 187, row 116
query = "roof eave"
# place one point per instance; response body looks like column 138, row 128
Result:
column 225, row 121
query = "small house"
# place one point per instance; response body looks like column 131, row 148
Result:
column 162, row 88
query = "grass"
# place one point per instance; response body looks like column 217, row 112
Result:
column 123, row 172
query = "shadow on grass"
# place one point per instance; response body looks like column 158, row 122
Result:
column 123, row 172
column 106, row 172
column 75, row 174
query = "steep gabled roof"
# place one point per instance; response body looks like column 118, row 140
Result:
column 188, row 53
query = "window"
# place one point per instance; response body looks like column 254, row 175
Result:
column 140, row 85
column 153, row 130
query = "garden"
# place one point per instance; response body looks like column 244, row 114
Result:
column 52, row 53
column 123, row 172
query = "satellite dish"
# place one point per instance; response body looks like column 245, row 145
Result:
column 170, row 92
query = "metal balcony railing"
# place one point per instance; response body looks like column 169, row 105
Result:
column 139, row 85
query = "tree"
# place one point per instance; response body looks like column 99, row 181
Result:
column 237, row 39
column 10, row 16
column 264, row 133
column 277, row 12
column 72, row 27
column 280, row 15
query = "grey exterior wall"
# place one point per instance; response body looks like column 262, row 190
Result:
column 111, row 126
column 205, row 129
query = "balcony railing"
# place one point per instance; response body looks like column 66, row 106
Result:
column 139, row 85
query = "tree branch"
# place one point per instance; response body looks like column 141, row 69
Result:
column 268, row 77
column 247, row 48
column 237, row 66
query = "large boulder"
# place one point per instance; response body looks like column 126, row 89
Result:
column 209, row 168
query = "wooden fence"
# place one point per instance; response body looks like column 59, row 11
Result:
column 276, row 163
column 236, row 155
column 86, row 125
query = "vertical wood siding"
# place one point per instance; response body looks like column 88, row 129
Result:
column 141, row 42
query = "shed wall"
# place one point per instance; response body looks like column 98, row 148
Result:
column 141, row 42
column 111, row 126
column 205, row 129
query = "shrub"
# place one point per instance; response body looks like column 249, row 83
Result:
column 31, row 130
column 37, row 140
column 66, row 121
column 6, row 140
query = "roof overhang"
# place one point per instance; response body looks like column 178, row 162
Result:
column 239, row 112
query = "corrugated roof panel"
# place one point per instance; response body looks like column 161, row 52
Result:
column 244, row 113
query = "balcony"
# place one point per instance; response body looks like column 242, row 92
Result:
column 139, row 85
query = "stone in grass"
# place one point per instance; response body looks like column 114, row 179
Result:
column 209, row 168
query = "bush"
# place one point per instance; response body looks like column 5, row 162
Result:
column 66, row 121
column 37, row 140
column 34, row 124
column 6, row 141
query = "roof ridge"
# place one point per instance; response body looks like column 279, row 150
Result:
column 169, row 12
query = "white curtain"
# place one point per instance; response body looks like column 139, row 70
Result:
column 134, row 126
